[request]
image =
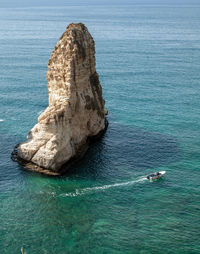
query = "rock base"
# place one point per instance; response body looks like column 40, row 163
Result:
column 29, row 166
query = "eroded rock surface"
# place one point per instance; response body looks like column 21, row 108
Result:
column 76, row 106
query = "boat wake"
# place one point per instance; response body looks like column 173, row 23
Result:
column 41, row 111
column 79, row 192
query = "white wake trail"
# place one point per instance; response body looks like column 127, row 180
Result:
column 99, row 188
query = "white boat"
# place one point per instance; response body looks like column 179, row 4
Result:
column 156, row 175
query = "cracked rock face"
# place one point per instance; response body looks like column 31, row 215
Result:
column 76, row 106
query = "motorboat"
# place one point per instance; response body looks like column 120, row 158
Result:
column 156, row 175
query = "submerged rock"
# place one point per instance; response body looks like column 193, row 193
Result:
column 76, row 107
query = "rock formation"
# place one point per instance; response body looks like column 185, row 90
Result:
column 76, row 106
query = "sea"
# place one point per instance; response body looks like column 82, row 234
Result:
column 148, row 60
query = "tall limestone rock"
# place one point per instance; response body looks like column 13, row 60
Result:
column 76, row 106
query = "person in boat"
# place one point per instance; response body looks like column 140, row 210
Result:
column 151, row 175
column 156, row 175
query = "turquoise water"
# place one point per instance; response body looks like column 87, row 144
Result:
column 148, row 61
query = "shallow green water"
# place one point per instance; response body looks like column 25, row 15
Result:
column 148, row 61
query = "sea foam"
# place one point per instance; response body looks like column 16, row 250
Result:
column 40, row 112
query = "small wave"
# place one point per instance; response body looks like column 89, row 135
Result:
column 99, row 188
column 39, row 113
column 1, row 120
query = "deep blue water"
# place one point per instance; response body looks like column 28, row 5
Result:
column 149, row 67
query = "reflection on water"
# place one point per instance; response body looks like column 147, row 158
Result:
column 125, row 146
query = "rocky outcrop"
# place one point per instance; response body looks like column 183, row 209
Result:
column 76, row 107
